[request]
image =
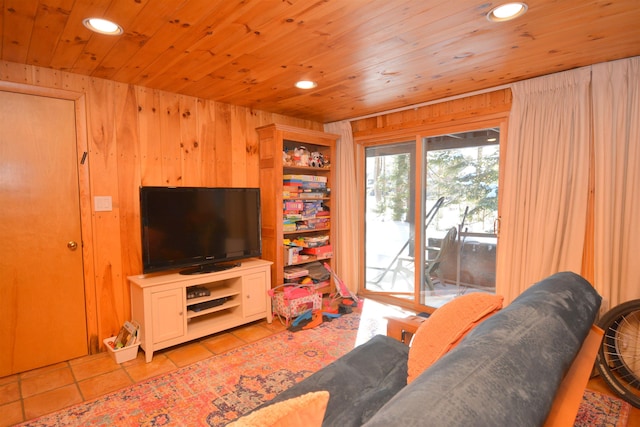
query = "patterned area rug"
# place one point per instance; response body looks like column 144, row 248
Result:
column 599, row 410
column 217, row 390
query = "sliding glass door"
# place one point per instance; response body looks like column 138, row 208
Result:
column 454, row 221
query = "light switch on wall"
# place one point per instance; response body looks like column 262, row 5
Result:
column 102, row 204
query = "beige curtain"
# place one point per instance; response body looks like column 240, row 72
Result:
column 546, row 175
column 616, row 135
column 346, row 211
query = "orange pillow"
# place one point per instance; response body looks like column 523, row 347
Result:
column 446, row 326
column 302, row 411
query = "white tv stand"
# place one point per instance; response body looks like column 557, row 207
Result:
column 159, row 303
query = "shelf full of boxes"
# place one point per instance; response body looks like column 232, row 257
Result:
column 306, row 224
column 298, row 230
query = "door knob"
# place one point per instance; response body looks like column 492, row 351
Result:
column 72, row 245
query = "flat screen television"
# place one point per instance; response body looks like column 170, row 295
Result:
column 202, row 228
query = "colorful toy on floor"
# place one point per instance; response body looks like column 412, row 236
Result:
column 316, row 320
column 291, row 300
column 312, row 318
column 341, row 289
column 304, row 316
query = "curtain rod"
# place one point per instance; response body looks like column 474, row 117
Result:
column 435, row 101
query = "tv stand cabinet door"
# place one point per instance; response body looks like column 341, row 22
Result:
column 255, row 298
column 167, row 315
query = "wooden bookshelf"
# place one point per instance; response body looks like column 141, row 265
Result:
column 275, row 140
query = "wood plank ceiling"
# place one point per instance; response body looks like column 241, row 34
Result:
column 367, row 56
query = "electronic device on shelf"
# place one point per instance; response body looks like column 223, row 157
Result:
column 197, row 292
column 207, row 304
column 204, row 228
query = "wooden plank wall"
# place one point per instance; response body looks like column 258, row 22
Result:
column 139, row 136
column 466, row 110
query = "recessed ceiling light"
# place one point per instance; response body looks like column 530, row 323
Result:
column 507, row 12
column 102, row 26
column 306, row 84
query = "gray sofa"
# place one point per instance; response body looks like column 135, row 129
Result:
column 505, row 372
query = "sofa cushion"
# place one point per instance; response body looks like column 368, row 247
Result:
column 446, row 326
column 302, row 411
column 359, row 383
column 507, row 370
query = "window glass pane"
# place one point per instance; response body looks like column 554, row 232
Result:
column 460, row 243
column 389, row 219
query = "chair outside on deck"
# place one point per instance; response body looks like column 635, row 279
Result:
column 397, row 264
column 447, row 246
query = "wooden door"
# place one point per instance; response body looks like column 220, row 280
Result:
column 42, row 305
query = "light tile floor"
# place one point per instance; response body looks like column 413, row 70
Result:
column 34, row 393
column 41, row 391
